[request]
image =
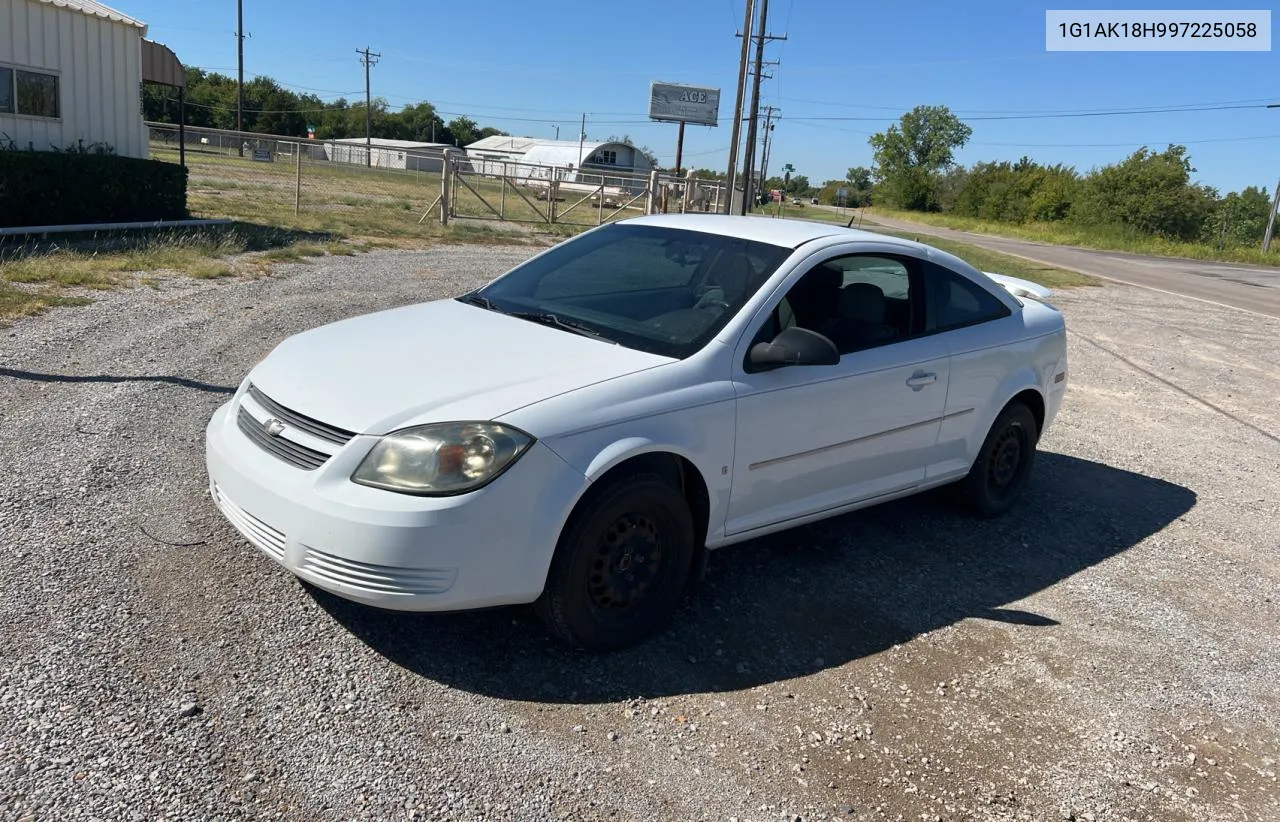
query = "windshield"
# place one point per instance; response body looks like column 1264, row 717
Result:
column 663, row 290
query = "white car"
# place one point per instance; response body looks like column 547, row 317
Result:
column 579, row 432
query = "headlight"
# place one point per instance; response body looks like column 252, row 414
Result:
column 443, row 458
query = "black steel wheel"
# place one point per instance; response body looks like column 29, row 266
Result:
column 621, row 565
column 1000, row 473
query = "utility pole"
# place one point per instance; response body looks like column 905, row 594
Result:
column 731, row 174
column 240, row 82
column 1275, row 203
column 370, row 59
column 1271, row 220
column 769, row 125
column 749, row 163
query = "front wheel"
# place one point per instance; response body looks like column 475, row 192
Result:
column 1000, row 473
column 621, row 566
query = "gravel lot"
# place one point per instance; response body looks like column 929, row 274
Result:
column 1106, row 652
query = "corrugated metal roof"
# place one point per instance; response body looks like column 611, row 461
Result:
column 95, row 9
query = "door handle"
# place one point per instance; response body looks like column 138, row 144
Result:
column 921, row 378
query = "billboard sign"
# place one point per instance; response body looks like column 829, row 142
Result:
column 675, row 103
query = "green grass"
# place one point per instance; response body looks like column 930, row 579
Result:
column 1098, row 237
column 15, row 303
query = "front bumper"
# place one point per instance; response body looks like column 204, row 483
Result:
column 489, row 547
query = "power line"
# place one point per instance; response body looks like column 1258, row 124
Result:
column 1179, row 106
column 1073, row 115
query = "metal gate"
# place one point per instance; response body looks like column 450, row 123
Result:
column 509, row 191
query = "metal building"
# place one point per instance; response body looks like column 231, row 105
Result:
column 406, row 155
column 534, row 157
column 70, row 74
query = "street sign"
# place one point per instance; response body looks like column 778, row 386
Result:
column 674, row 103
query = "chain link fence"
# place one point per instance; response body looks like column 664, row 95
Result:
column 345, row 184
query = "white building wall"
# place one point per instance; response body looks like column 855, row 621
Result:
column 99, row 68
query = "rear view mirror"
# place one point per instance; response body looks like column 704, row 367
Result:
column 794, row 346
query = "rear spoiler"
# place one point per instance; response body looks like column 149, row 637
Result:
column 1020, row 288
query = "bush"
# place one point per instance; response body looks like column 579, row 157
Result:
column 1150, row 192
column 60, row 188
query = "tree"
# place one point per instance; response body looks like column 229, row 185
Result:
column 1239, row 218
column 912, row 155
column 799, row 185
column 465, row 131
column 1150, row 192
column 859, row 181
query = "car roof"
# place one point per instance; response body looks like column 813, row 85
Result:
column 773, row 230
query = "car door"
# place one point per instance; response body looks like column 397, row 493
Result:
column 815, row 438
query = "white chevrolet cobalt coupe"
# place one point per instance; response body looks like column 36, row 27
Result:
column 579, row 432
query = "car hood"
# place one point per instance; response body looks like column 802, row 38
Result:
column 433, row 362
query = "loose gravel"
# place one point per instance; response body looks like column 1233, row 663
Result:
column 1105, row 652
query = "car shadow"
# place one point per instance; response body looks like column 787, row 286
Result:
column 811, row 598
column 35, row 376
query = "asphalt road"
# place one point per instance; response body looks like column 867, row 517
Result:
column 1247, row 287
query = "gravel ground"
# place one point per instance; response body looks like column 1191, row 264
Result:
column 1105, row 652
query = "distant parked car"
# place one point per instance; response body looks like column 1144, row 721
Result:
column 579, row 432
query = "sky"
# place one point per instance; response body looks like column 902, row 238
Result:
column 848, row 68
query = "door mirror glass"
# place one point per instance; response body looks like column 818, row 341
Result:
column 794, row 346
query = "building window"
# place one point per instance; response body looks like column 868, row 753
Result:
column 6, row 90
column 605, row 158
column 32, row 93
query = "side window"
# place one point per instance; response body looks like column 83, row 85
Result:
column 859, row 301
column 955, row 301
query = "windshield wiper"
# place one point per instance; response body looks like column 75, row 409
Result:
column 475, row 299
column 556, row 321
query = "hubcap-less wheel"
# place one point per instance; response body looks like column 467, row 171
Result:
column 628, row 560
column 1000, row 472
column 1006, row 456
column 621, row 565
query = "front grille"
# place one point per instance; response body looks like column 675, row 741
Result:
column 263, row 536
column 313, row 427
column 378, row 579
column 296, row 455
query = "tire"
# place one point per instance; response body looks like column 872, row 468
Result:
column 999, row 475
column 602, row 592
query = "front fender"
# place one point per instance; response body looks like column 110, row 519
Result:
column 703, row 436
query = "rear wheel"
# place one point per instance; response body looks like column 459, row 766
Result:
column 999, row 475
column 621, row 566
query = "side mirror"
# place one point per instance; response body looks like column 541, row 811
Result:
column 794, row 346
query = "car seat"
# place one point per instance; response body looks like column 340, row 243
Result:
column 862, row 318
